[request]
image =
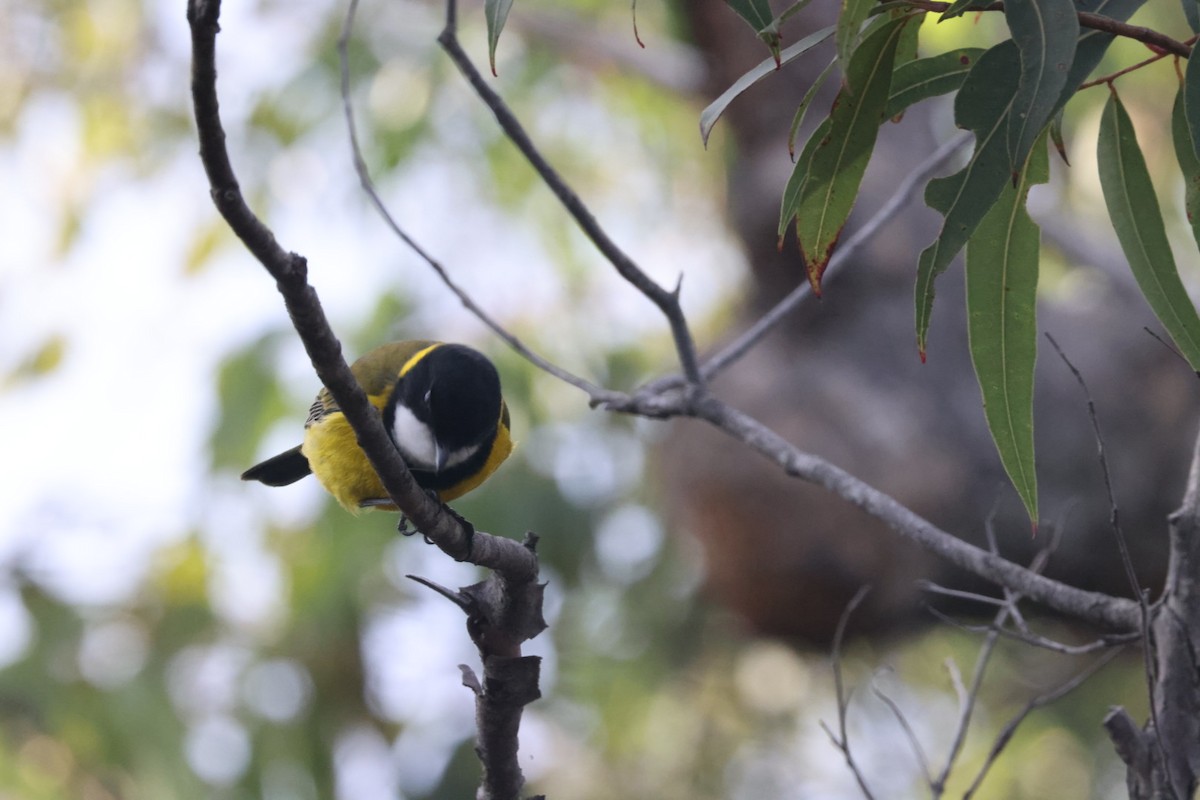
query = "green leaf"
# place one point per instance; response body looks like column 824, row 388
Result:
column 775, row 24
column 982, row 106
column 1056, row 136
column 798, row 118
column 1133, row 208
column 710, row 115
column 496, row 13
column 1002, row 276
column 854, row 14
column 1046, row 33
column 840, row 157
column 928, row 77
column 799, row 176
column 1191, row 97
column 757, row 14
column 1189, row 166
column 910, row 39
column 1191, row 11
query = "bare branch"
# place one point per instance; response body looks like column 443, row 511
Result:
column 1037, row 640
column 1112, row 613
column 1006, row 734
column 666, row 300
column 1122, row 547
column 841, row 740
column 596, row 393
column 967, row 699
column 909, row 733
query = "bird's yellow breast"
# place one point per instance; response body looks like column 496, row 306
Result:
column 343, row 468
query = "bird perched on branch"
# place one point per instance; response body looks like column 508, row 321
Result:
column 441, row 406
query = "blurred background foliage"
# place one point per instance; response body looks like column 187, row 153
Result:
column 167, row 632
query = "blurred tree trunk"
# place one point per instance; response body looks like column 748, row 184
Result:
column 842, row 379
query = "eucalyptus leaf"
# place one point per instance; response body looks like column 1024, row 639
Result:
column 714, row 110
column 1189, row 166
column 840, row 158
column 928, row 77
column 802, row 110
column 758, row 15
column 1002, row 277
column 982, row 105
column 854, row 14
column 1137, row 219
column 1191, row 97
column 496, row 13
column 1046, row 33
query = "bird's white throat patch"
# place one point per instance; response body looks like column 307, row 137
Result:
column 414, row 438
column 417, row 445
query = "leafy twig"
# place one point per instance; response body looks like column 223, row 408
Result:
column 1087, row 19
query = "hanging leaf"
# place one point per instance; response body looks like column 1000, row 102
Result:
column 775, row 25
column 1134, row 210
column 982, row 106
column 1056, row 136
column 910, row 40
column 1002, row 276
column 757, row 14
column 1046, row 33
column 928, row 77
column 1191, row 97
column 1191, row 11
column 801, row 110
column 496, row 13
column 710, row 115
column 1189, row 166
column 795, row 184
column 854, row 14
column 841, row 156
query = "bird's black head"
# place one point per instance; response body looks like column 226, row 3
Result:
column 454, row 393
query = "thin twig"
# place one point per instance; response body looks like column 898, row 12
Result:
column 666, row 300
column 596, row 393
column 1037, row 640
column 1123, row 548
column 960, row 594
column 967, row 702
column 1040, row 701
column 1108, row 79
column 841, row 740
column 909, row 733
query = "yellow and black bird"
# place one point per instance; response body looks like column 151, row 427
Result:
column 442, row 407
